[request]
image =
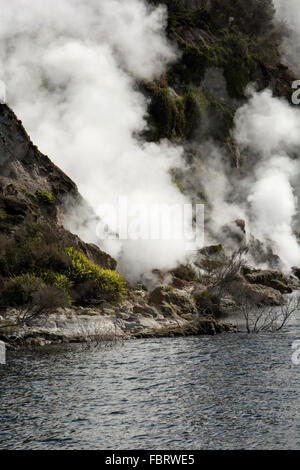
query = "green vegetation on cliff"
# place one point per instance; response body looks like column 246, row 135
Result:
column 238, row 37
column 36, row 259
column 44, row 197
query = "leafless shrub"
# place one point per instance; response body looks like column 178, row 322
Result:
column 222, row 269
column 43, row 301
column 228, row 270
column 49, row 298
column 259, row 319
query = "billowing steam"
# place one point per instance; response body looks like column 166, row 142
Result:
column 266, row 195
column 270, row 128
column 71, row 70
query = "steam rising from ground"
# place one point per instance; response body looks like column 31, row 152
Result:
column 270, row 128
column 264, row 191
column 71, row 74
column 71, row 70
column 267, row 130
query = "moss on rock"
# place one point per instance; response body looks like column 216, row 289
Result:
column 44, row 197
column 166, row 113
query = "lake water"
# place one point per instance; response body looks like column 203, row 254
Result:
column 233, row 391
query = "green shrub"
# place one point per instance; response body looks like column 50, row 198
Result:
column 185, row 272
column 28, row 289
column 81, row 268
column 205, row 295
column 110, row 284
column 239, row 43
column 203, row 112
column 207, row 303
column 61, row 281
column 44, row 197
column 35, row 256
column 35, row 253
column 192, row 105
column 168, row 289
column 19, row 290
column 166, row 113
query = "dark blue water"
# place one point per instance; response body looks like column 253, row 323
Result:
column 233, row 391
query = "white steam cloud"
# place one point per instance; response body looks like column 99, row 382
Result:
column 270, row 128
column 264, row 192
column 71, row 72
column 267, row 130
column 71, row 68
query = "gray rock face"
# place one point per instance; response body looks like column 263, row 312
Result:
column 25, row 170
column 22, row 163
column 105, row 324
column 214, row 83
column 268, row 278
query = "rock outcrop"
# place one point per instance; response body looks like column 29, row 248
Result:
column 274, row 279
column 141, row 315
column 26, row 174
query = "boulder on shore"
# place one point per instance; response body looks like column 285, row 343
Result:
column 268, row 278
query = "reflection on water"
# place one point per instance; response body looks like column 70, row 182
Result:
column 225, row 392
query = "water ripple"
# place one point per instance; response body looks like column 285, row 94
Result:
column 228, row 392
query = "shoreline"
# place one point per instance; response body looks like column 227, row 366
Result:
column 68, row 326
column 163, row 312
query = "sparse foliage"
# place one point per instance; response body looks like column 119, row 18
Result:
column 259, row 319
column 38, row 303
column 222, row 269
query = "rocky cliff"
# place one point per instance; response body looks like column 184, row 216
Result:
column 50, row 278
column 35, row 269
column 33, row 190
